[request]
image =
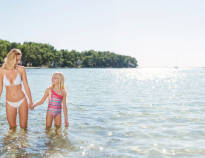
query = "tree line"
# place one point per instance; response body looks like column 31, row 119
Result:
column 41, row 54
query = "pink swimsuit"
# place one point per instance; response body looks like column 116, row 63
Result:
column 55, row 103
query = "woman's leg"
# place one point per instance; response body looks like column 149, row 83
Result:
column 49, row 120
column 57, row 121
column 23, row 114
column 11, row 113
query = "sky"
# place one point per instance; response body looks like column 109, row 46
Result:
column 155, row 32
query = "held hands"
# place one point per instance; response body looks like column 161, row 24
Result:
column 31, row 105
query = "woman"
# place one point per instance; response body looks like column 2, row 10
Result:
column 12, row 75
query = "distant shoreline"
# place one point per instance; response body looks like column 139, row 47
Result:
column 28, row 67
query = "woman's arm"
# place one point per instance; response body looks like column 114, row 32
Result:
column 1, row 81
column 65, row 111
column 43, row 98
column 26, row 86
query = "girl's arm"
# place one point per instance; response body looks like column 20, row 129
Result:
column 43, row 98
column 65, row 111
column 26, row 86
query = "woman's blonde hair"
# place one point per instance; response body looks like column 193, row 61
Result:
column 10, row 60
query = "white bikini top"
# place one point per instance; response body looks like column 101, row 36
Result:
column 17, row 80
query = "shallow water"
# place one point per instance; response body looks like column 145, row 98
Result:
column 119, row 113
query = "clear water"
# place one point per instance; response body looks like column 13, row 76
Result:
column 119, row 113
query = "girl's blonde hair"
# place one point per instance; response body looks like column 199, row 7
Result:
column 61, row 83
column 10, row 60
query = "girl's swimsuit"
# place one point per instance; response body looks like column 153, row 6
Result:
column 55, row 103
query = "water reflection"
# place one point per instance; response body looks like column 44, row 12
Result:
column 58, row 143
column 15, row 144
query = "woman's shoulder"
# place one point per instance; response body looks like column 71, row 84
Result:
column 1, row 71
column 21, row 70
column 20, row 67
column 1, row 68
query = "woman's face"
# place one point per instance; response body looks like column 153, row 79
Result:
column 18, row 59
column 55, row 79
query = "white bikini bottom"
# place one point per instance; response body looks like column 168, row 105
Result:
column 16, row 104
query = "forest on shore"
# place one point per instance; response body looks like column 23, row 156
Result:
column 45, row 55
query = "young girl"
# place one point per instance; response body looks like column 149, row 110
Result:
column 57, row 100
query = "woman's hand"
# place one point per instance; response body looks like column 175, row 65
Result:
column 31, row 105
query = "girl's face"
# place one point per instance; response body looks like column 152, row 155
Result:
column 55, row 79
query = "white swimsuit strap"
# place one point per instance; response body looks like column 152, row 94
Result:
column 6, row 81
column 16, row 81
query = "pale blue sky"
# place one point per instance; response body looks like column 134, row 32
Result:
column 155, row 32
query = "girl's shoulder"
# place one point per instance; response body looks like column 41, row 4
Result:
column 64, row 93
column 48, row 89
